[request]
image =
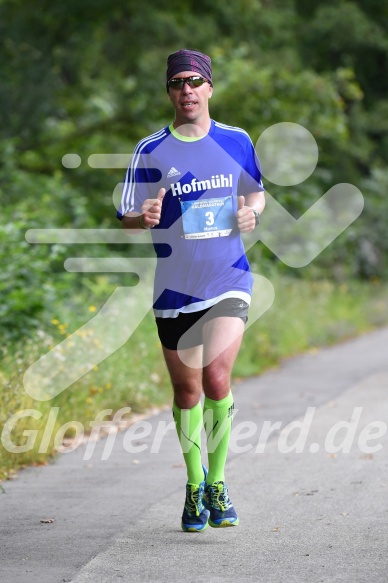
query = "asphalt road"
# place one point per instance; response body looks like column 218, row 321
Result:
column 318, row 514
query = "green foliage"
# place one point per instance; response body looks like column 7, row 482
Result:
column 32, row 277
column 25, row 288
column 269, row 96
column 373, row 249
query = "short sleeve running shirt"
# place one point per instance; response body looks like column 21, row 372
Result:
column 200, row 254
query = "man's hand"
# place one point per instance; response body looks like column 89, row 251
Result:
column 151, row 211
column 245, row 217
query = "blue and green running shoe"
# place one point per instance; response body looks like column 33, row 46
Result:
column 217, row 501
column 195, row 515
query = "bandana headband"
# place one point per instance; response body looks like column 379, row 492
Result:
column 188, row 60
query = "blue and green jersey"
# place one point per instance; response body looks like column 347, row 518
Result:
column 201, row 257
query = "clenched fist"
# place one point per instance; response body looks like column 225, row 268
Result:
column 151, row 211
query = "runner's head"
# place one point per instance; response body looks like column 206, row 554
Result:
column 188, row 60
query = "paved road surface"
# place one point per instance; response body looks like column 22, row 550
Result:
column 314, row 516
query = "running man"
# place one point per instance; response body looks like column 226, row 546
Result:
column 197, row 185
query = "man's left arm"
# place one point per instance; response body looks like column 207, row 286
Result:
column 249, row 208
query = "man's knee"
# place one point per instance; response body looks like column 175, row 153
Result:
column 215, row 380
column 186, row 387
column 187, row 394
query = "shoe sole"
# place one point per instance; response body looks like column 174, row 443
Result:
column 224, row 523
column 193, row 528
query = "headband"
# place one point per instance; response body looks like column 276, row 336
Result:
column 188, row 60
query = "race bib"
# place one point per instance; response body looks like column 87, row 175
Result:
column 205, row 218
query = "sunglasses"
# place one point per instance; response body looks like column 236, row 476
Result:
column 179, row 82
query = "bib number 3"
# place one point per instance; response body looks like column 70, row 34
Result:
column 206, row 218
column 210, row 218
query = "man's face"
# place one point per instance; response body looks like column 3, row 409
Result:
column 190, row 103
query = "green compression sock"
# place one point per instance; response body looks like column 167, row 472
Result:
column 188, row 424
column 218, row 417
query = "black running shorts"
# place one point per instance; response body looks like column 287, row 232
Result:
column 170, row 330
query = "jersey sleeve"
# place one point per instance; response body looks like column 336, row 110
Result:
column 135, row 189
column 251, row 178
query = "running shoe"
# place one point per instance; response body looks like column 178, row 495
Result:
column 195, row 516
column 217, row 501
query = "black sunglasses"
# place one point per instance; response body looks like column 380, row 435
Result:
column 179, row 82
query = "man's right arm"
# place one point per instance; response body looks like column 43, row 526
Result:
column 149, row 217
